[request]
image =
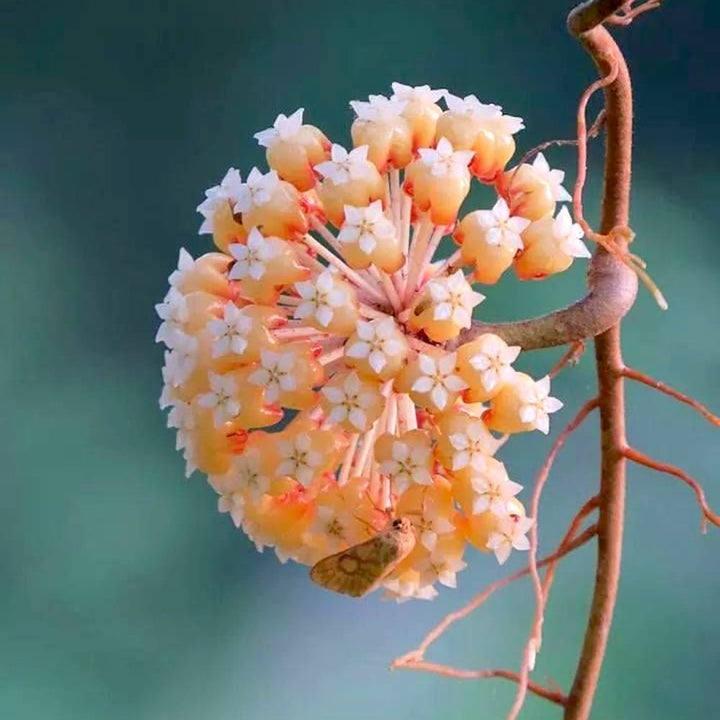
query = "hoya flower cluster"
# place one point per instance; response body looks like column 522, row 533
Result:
column 312, row 368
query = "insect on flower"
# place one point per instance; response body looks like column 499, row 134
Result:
column 362, row 567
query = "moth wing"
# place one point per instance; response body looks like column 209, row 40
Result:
column 357, row 570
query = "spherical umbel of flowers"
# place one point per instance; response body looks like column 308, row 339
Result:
column 312, row 368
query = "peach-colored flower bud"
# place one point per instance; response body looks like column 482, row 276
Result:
column 421, row 111
column 226, row 229
column 328, row 303
column 377, row 349
column 464, row 443
column 263, row 264
column 293, row 149
column 485, row 364
column 387, row 134
column 439, row 181
column 368, row 237
column 352, row 403
column 551, row 245
column 531, row 191
column 445, row 307
column 212, row 449
column 288, row 375
column 527, row 194
column 207, row 274
column 522, row 405
column 478, row 528
column 431, row 381
column 349, row 179
column 490, row 239
column 272, row 205
column 470, row 125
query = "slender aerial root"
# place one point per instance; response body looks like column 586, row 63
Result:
column 414, row 660
column 628, row 13
column 552, row 695
column 534, row 642
column 641, row 459
column 571, row 357
column 614, row 242
column 663, row 388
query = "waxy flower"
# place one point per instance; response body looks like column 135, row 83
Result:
column 314, row 368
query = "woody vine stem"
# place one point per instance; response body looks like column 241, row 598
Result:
column 612, row 287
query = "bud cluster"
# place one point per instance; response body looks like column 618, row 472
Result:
column 309, row 371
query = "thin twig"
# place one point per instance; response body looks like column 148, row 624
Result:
column 553, row 696
column 628, row 13
column 663, row 388
column 641, row 459
column 535, row 638
column 593, row 132
column 571, row 357
column 562, row 550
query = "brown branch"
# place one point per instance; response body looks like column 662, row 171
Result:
column 628, row 13
column 419, row 653
column 535, row 639
column 553, row 696
column 663, row 388
column 585, row 23
column 641, row 459
column 571, row 357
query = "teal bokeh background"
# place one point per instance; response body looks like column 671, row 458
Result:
column 124, row 594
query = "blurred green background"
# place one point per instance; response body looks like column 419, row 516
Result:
column 124, row 594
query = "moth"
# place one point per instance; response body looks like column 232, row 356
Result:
column 362, row 568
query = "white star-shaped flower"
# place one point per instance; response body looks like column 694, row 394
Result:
column 350, row 402
column 567, row 234
column 491, row 114
column 377, row 341
column 494, row 362
column 298, row 459
column 432, row 523
column 251, row 257
column 438, row 379
column 256, row 190
column 320, row 298
column 184, row 266
column 248, row 472
column 378, row 108
column 344, row 166
column 230, row 333
column 285, row 127
column 181, row 360
column 472, row 446
column 402, row 590
column 222, row 398
column 365, row 226
column 510, row 534
column 233, row 503
column 454, row 299
column 173, row 311
column 410, row 463
column 226, row 192
column 554, row 178
column 422, row 93
column 443, row 161
column 275, row 374
column 500, row 228
column 493, row 489
column 182, row 418
column 441, row 567
column 538, row 405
